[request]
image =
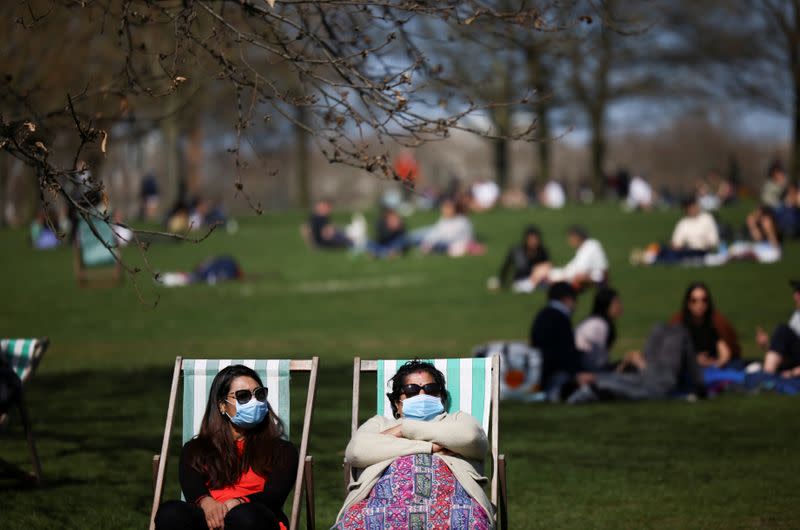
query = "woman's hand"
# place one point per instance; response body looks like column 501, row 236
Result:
column 436, row 448
column 705, row 360
column 214, row 512
column 232, row 503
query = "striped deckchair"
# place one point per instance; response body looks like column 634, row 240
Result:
column 92, row 252
column 23, row 356
column 473, row 384
column 275, row 374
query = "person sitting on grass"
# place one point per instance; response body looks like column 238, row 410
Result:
column 452, row 234
column 551, row 333
column 713, row 337
column 520, row 262
column 324, row 233
column 589, row 265
column 694, row 236
column 596, row 334
column 239, row 470
column 391, row 240
column 783, row 348
column 420, row 469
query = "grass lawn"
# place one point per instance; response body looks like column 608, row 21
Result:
column 99, row 398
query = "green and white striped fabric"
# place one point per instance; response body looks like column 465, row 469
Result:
column 21, row 354
column 199, row 373
column 93, row 252
column 468, row 381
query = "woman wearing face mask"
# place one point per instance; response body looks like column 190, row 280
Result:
column 421, row 469
column 238, row 471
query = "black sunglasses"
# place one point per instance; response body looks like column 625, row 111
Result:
column 434, row 389
column 244, row 396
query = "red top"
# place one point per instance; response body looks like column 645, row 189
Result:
column 250, row 482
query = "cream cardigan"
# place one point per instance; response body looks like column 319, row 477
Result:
column 373, row 452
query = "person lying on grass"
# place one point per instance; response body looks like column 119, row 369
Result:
column 420, row 469
column 237, row 473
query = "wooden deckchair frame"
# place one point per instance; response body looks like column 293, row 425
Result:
column 36, row 358
column 499, row 492
column 110, row 276
column 305, row 475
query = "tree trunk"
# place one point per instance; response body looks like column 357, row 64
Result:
column 598, row 150
column 172, row 151
column 537, row 79
column 501, row 162
column 194, row 158
column 302, row 161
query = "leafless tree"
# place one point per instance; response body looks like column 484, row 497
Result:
column 354, row 75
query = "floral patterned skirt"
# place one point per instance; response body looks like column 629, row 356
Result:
column 416, row 492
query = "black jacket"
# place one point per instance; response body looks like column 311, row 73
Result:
column 276, row 487
column 552, row 335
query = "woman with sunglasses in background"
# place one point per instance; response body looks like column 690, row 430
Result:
column 422, row 469
column 237, row 472
column 713, row 337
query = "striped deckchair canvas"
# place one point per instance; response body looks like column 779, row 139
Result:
column 93, row 251
column 467, row 381
column 198, row 374
column 22, row 355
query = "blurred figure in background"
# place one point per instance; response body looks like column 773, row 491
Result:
column 596, row 334
column 783, row 348
column 551, row 333
column 484, row 195
column 520, row 262
column 713, row 337
column 589, row 265
column 640, row 195
column 391, row 235
column 452, row 234
column 553, row 195
column 325, row 235
column 772, row 191
column 149, row 198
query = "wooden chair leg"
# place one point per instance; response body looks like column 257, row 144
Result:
column 308, row 473
column 503, row 501
column 347, row 471
column 156, row 460
column 26, row 423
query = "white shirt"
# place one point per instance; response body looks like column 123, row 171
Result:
column 449, row 230
column 485, row 193
column 590, row 259
column 553, row 195
column 794, row 322
column 640, row 193
column 591, row 336
column 696, row 233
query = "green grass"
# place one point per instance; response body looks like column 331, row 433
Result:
column 99, row 399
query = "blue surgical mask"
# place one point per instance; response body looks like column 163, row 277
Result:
column 250, row 414
column 422, row 407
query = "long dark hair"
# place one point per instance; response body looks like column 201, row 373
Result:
column 602, row 302
column 411, row 367
column 213, row 452
column 686, row 315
